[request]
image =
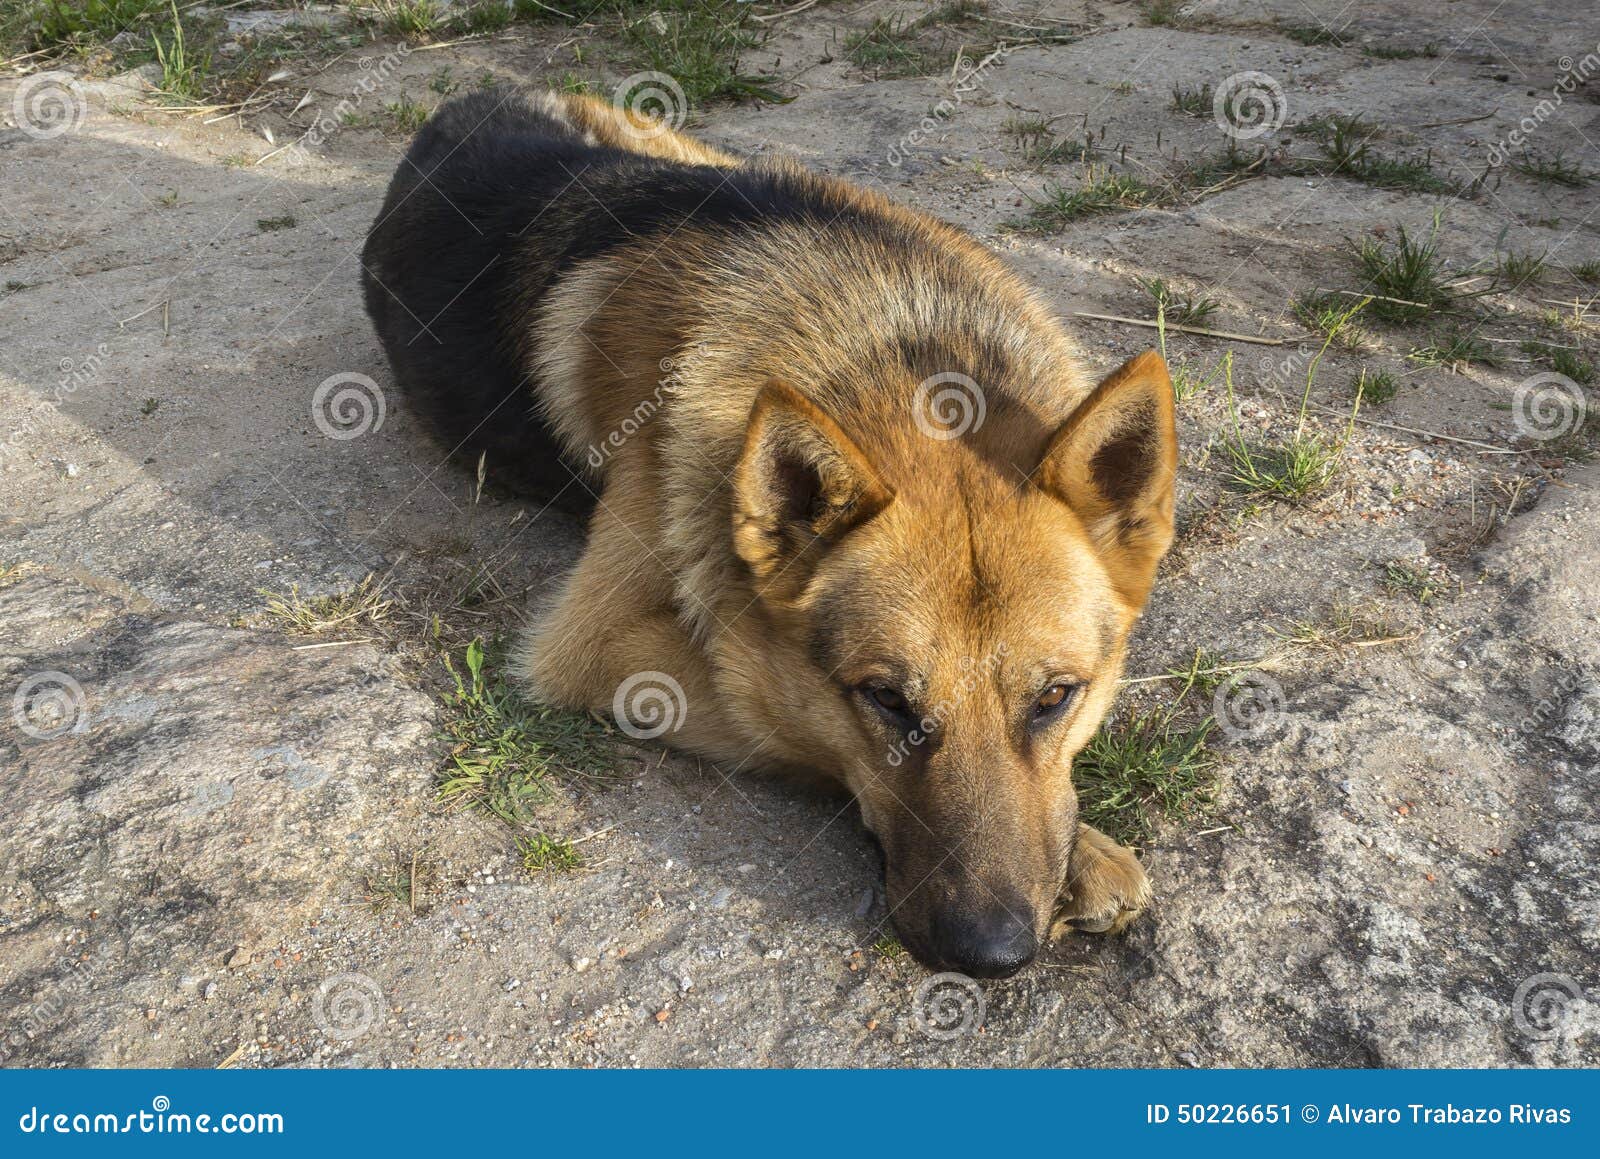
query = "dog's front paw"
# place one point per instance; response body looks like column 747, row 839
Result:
column 1106, row 887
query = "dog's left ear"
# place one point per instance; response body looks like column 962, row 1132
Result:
column 800, row 486
column 1113, row 462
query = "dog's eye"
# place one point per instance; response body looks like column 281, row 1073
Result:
column 1053, row 700
column 889, row 700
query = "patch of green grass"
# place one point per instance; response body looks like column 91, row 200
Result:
column 1331, row 315
column 403, row 883
column 1310, row 34
column 1407, row 278
column 1400, row 51
column 1294, row 468
column 1100, row 191
column 1375, row 387
column 272, row 224
column 487, row 17
column 149, row 407
column 12, row 286
column 183, row 73
column 1142, row 770
column 1587, row 272
column 1551, row 169
column 1409, row 579
column 364, row 604
column 409, row 19
column 1347, row 142
column 504, row 748
column 1040, row 146
column 1194, row 102
column 1205, row 673
column 82, row 23
column 1563, row 360
column 1163, row 13
column 1516, row 269
column 405, row 114
column 1184, row 309
column 1343, row 626
column 541, row 853
column 700, row 47
column 888, row 948
column 1454, row 348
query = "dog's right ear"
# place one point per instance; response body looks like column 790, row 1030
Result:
column 800, row 486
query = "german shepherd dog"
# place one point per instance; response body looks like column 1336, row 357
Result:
column 856, row 510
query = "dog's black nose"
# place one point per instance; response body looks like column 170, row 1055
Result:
column 993, row 942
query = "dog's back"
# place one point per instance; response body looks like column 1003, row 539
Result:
column 499, row 194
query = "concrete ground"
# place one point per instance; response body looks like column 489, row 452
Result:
column 201, row 812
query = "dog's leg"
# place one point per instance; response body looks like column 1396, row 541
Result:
column 612, row 639
column 1106, row 887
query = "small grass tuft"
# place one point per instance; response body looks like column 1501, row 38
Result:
column 541, row 853
column 1184, row 309
column 700, row 47
column 405, row 114
column 183, row 73
column 1193, row 102
column 503, row 748
column 1454, row 349
column 364, row 604
column 273, row 224
column 1428, row 51
column 1101, row 191
column 1407, row 278
column 1551, row 169
column 1409, row 579
column 1517, row 269
column 1142, row 770
column 1163, row 13
column 1375, row 387
column 888, row 948
column 1563, row 360
column 1331, row 315
column 1311, row 34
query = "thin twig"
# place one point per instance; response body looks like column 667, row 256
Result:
column 1186, row 329
column 1429, row 434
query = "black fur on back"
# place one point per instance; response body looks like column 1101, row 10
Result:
column 492, row 203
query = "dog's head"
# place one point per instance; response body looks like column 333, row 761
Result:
column 944, row 624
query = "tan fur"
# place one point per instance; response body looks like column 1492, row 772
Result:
column 971, row 571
